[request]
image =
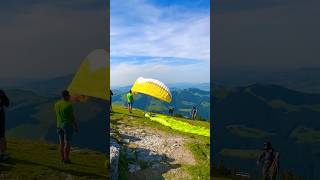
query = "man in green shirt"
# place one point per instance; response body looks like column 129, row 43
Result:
column 66, row 125
column 130, row 101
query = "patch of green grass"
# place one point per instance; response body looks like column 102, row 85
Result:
column 137, row 118
column 246, row 132
column 280, row 104
column 205, row 104
column 39, row 160
column 184, row 110
column 198, row 145
column 123, row 166
column 306, row 135
column 187, row 103
column 315, row 107
column 201, row 152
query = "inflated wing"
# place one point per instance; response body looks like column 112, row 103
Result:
column 93, row 77
column 152, row 87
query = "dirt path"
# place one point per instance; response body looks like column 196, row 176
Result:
column 154, row 154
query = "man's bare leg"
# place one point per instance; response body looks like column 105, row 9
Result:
column 3, row 145
column 62, row 150
column 66, row 151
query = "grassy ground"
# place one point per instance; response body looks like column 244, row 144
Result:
column 198, row 145
column 38, row 160
column 304, row 135
column 246, row 132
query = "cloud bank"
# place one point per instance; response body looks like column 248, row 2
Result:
column 170, row 42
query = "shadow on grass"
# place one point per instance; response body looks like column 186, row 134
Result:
column 12, row 162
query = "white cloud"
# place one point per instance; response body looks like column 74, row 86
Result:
column 142, row 29
column 123, row 74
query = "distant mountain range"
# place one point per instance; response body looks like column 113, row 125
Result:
column 31, row 113
column 246, row 117
column 183, row 100
column 302, row 79
column 31, row 116
column 201, row 86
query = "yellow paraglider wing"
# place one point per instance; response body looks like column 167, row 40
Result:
column 92, row 78
column 152, row 87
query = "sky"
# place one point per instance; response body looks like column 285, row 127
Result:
column 42, row 39
column 265, row 36
column 161, row 39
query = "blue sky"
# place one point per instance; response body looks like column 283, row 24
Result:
column 162, row 39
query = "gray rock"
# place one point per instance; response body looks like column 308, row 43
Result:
column 131, row 155
column 125, row 140
column 155, row 166
column 148, row 156
column 133, row 168
column 114, row 159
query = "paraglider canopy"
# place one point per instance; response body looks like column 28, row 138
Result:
column 92, row 78
column 152, row 87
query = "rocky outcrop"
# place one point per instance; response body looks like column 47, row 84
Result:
column 114, row 159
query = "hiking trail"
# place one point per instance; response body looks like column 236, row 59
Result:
column 152, row 151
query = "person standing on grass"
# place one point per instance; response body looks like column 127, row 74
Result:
column 66, row 125
column 130, row 101
column 4, row 102
column 171, row 111
column 194, row 113
column 111, row 94
column 269, row 159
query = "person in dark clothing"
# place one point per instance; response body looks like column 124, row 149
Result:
column 194, row 113
column 111, row 94
column 269, row 159
column 171, row 111
column 4, row 102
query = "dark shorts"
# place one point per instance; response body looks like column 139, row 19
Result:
column 2, row 125
column 65, row 133
column 130, row 103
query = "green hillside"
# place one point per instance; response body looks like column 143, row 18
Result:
column 246, row 117
column 39, row 160
column 183, row 100
column 161, row 142
column 31, row 116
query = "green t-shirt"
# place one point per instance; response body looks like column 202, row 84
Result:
column 130, row 98
column 64, row 112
